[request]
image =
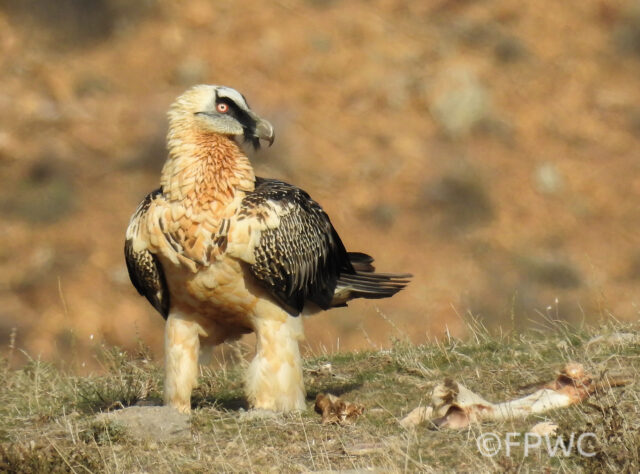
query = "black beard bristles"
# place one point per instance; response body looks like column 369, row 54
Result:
column 249, row 137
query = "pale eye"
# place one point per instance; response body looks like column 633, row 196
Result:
column 222, row 108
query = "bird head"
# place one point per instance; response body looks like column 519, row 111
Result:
column 221, row 110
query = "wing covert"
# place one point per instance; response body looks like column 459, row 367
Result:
column 299, row 256
column 145, row 270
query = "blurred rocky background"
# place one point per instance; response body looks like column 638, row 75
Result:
column 489, row 147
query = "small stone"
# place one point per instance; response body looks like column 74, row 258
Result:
column 460, row 101
column 151, row 423
column 548, row 179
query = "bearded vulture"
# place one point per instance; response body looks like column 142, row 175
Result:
column 220, row 252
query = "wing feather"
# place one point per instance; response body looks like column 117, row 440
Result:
column 145, row 271
column 299, row 255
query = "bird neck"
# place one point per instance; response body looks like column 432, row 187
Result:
column 204, row 169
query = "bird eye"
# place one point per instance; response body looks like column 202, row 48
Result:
column 222, row 108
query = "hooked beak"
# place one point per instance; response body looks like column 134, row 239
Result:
column 264, row 131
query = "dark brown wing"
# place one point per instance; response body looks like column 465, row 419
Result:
column 145, row 271
column 302, row 257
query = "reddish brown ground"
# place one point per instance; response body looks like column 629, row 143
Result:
column 491, row 148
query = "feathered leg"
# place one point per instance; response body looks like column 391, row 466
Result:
column 274, row 378
column 181, row 347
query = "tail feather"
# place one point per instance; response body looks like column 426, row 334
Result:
column 361, row 262
column 364, row 283
column 377, row 277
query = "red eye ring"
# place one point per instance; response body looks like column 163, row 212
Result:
column 222, row 108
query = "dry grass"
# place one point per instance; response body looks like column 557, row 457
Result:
column 49, row 423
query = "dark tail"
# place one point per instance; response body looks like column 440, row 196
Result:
column 365, row 283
